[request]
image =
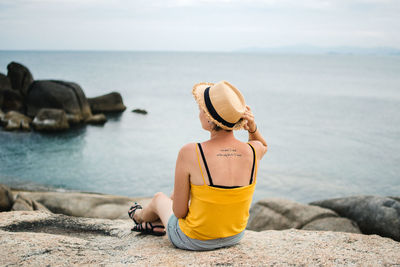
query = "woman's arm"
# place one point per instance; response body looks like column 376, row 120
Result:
column 180, row 204
column 255, row 136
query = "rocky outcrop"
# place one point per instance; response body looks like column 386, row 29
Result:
column 139, row 111
column 11, row 100
column 4, row 82
column 20, row 77
column 53, row 94
column 50, row 120
column 6, row 198
column 279, row 214
column 373, row 214
column 85, row 204
column 42, row 239
column 14, row 120
column 97, row 119
column 111, row 102
column 23, row 203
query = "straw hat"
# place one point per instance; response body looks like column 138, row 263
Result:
column 222, row 102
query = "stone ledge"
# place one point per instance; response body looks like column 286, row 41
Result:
column 116, row 245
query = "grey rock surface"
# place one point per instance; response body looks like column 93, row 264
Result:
column 6, row 198
column 20, row 77
column 23, row 203
column 111, row 102
column 14, row 120
column 373, row 214
column 48, row 119
column 42, row 239
column 85, row 204
column 55, row 94
column 279, row 214
column 335, row 224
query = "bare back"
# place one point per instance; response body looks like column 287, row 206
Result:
column 229, row 161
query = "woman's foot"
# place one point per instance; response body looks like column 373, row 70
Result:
column 149, row 228
column 132, row 212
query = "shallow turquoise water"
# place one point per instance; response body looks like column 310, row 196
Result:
column 332, row 122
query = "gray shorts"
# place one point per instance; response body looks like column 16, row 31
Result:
column 182, row 241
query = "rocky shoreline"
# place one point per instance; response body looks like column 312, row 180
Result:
column 72, row 228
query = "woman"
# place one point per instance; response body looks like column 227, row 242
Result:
column 214, row 180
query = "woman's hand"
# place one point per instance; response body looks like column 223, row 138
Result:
column 248, row 116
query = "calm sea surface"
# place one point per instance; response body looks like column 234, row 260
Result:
column 332, row 122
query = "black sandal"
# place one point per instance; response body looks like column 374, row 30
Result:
column 132, row 210
column 148, row 229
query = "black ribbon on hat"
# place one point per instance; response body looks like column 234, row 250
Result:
column 212, row 110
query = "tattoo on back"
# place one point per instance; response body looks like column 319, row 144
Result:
column 228, row 152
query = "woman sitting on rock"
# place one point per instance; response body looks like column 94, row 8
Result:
column 214, row 180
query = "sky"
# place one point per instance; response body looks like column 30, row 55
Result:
column 202, row 25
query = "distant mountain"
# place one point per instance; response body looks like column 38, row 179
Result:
column 309, row 49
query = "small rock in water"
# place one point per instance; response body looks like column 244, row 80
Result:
column 140, row 111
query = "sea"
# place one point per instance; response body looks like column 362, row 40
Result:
column 332, row 122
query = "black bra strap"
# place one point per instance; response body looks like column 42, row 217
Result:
column 254, row 161
column 205, row 164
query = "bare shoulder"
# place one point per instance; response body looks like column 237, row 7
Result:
column 187, row 151
column 259, row 147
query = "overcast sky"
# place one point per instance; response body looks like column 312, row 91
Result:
column 202, row 25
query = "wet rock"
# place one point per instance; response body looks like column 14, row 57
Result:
column 4, row 82
column 140, row 111
column 14, row 120
column 6, row 198
column 373, row 214
column 54, row 94
column 1, row 117
column 84, row 204
column 40, row 239
column 333, row 224
column 111, row 102
column 11, row 100
column 20, row 77
column 50, row 120
column 279, row 214
column 97, row 119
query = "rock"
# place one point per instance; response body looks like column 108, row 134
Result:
column 24, row 203
column 30, row 238
column 140, row 111
column 85, row 204
column 373, row 214
column 1, row 117
column 14, row 120
column 278, row 214
column 333, row 224
column 98, row 119
column 111, row 102
column 53, row 94
column 4, row 82
column 50, row 120
column 20, row 77
column 6, row 198
column 11, row 100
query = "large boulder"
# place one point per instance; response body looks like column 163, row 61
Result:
column 85, row 204
column 14, row 120
column 11, row 100
column 50, row 120
column 20, row 77
column 111, row 102
column 6, row 198
column 335, row 224
column 373, row 214
column 279, row 214
column 31, row 238
column 63, row 95
column 4, row 82
column 97, row 119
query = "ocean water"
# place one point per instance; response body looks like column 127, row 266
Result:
column 332, row 122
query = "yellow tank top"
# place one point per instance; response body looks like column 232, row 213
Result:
column 217, row 212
